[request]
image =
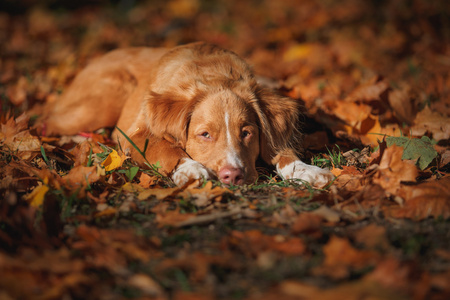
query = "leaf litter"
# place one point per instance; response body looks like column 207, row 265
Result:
column 80, row 220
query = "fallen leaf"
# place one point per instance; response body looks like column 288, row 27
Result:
column 146, row 180
column 350, row 178
column 109, row 211
column 159, row 193
column 307, row 222
column 369, row 91
column 420, row 150
column 113, row 161
column 172, row 218
column 428, row 199
column 132, row 188
column 372, row 236
column 393, row 170
column 341, row 258
column 37, row 195
column 81, row 177
column 254, row 242
column 208, row 218
column 146, row 284
column 327, row 214
column 355, row 290
column 433, row 122
column 203, row 196
column 401, row 276
column 286, row 216
column 402, row 103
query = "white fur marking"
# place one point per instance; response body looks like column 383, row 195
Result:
column 189, row 169
column 232, row 158
column 299, row 170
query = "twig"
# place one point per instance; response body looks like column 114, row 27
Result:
column 202, row 219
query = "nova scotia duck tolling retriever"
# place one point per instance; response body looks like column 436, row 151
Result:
column 198, row 105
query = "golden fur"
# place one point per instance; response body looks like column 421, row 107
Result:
column 198, row 105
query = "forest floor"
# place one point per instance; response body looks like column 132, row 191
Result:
column 78, row 221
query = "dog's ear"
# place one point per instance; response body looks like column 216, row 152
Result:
column 168, row 114
column 279, row 121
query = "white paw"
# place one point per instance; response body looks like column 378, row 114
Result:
column 187, row 170
column 316, row 176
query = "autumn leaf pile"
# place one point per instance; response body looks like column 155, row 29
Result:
column 79, row 220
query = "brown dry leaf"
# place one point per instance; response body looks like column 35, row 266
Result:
column 341, row 258
column 429, row 199
column 199, row 264
column 370, row 91
column 15, row 136
column 172, row 218
column 349, row 178
column 433, row 122
column 336, row 171
column 146, row 180
column 353, row 114
column 401, row 276
column 159, row 193
column 254, row 242
column 393, row 170
column 328, row 214
column 130, row 187
column 203, row 196
column 81, row 153
column 402, row 104
column 17, row 93
column 357, row 120
column 290, row 193
column 185, row 295
column 360, row 202
column 372, row 236
column 286, row 215
column 348, row 291
column 444, row 156
column 146, row 285
column 13, row 126
column 54, row 180
column 440, row 281
column 81, row 177
column 307, row 222
column 100, row 199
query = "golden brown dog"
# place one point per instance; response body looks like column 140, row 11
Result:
column 199, row 107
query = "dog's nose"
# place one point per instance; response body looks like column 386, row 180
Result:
column 230, row 175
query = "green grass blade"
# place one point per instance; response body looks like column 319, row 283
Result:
column 45, row 157
column 133, row 144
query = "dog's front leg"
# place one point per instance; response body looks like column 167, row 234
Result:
column 170, row 156
column 289, row 166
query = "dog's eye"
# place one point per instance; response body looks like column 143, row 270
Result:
column 246, row 133
column 206, row 135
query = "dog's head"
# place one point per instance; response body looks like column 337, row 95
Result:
column 207, row 99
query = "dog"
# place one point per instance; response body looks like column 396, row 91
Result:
column 198, row 107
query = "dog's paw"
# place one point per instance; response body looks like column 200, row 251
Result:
column 316, row 176
column 189, row 170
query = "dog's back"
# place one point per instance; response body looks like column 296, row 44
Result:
column 97, row 95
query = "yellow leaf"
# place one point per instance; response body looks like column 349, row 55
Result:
column 113, row 161
column 336, row 172
column 37, row 195
column 107, row 212
column 132, row 187
column 298, row 52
